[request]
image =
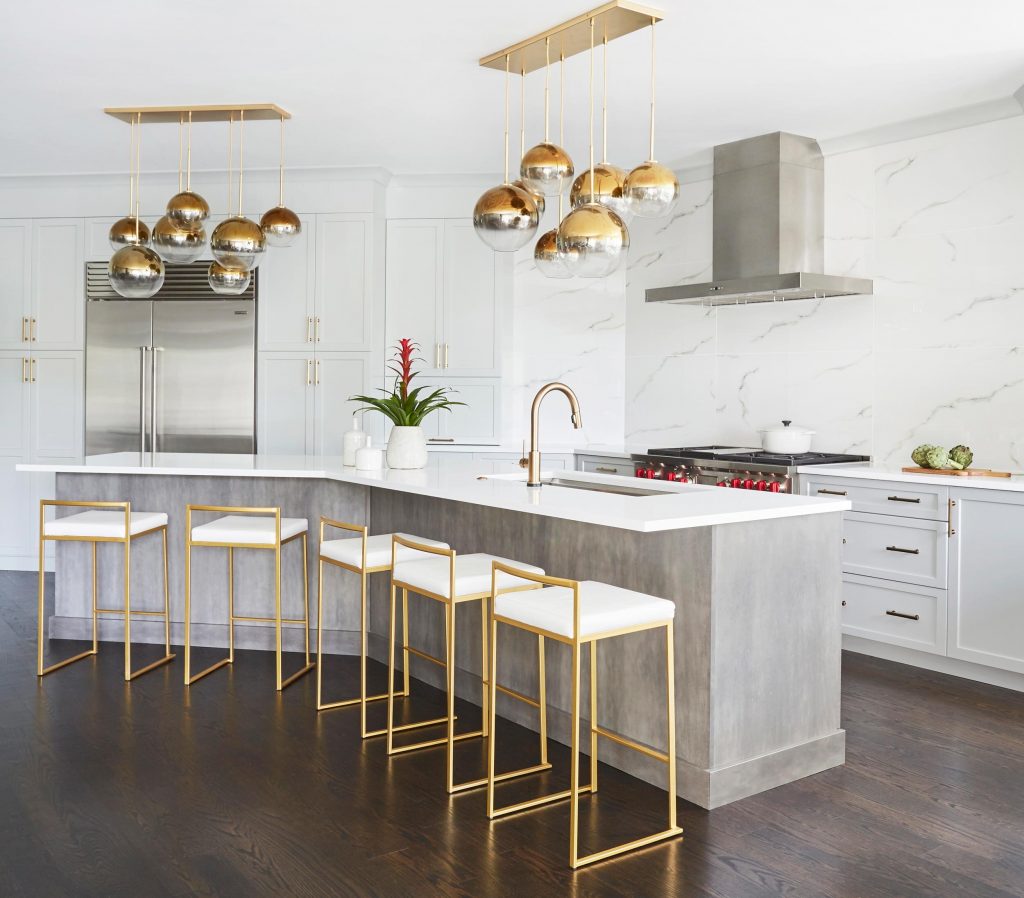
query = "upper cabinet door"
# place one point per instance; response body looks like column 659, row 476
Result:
column 58, row 394
column 286, row 282
column 471, row 310
column 57, row 320
column 415, row 286
column 15, row 301
column 344, row 282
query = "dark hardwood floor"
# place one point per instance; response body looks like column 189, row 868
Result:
column 145, row 790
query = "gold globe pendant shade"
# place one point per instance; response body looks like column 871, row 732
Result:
column 506, row 218
column 177, row 244
column 280, row 226
column 135, row 272
column 227, row 281
column 652, row 189
column 549, row 260
column 238, row 242
column 546, row 169
column 537, row 198
column 128, row 231
column 187, row 209
column 605, row 186
column 595, row 239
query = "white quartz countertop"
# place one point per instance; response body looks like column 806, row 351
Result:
column 880, row 472
column 677, row 506
column 517, row 448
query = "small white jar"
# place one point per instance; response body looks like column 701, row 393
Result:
column 352, row 441
column 369, row 458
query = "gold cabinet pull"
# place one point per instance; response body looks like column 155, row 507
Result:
column 446, row 355
column 316, row 365
column 316, row 330
column 24, row 370
column 904, row 616
column 832, row 492
column 32, row 370
column 904, row 499
column 309, row 329
column 309, row 372
column 949, row 518
column 32, row 329
column 904, row 551
column 24, row 330
column 437, row 355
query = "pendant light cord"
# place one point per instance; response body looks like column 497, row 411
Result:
column 181, row 145
column 506, row 117
column 241, row 149
column 280, row 197
column 604, row 103
column 231, row 131
column 188, row 167
column 522, row 112
column 561, row 114
column 547, row 87
column 592, row 110
column 131, row 168
column 138, row 175
column 653, row 60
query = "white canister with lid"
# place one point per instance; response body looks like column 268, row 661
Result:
column 369, row 458
column 786, row 438
column 352, row 441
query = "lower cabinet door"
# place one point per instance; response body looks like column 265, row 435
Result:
column 986, row 578
column 898, row 613
column 905, row 549
column 477, row 420
column 336, row 377
column 285, row 408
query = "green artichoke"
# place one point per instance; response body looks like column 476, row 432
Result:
column 962, row 455
column 936, row 457
column 920, row 454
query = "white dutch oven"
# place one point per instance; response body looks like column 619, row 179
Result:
column 786, row 439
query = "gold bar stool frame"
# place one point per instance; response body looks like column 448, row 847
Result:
column 578, row 613
column 362, row 555
column 119, row 524
column 453, row 581
column 246, row 528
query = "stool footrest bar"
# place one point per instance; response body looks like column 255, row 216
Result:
column 300, row 672
column 512, row 774
column 636, row 746
column 537, row 802
column 525, row 699
column 628, row 846
column 133, row 611
column 425, row 656
column 209, row 670
column 430, row 743
column 65, row 663
column 158, row 663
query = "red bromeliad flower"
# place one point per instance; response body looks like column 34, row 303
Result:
column 403, row 366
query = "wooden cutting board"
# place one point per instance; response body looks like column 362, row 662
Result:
column 967, row 472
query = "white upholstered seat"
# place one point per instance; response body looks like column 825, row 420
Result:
column 603, row 608
column 243, row 529
column 472, row 575
column 109, row 524
column 378, row 549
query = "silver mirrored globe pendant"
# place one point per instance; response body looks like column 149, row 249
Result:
column 536, row 197
column 608, row 189
column 135, row 272
column 280, row 226
column 652, row 189
column 187, row 209
column 238, row 242
column 546, row 169
column 227, row 281
column 549, row 260
column 596, row 237
column 177, row 244
column 506, row 218
column 128, row 232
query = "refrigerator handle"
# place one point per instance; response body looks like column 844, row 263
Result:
column 153, row 396
column 142, row 399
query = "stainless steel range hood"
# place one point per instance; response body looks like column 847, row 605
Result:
column 768, row 220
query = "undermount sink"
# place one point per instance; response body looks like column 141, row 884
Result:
column 594, row 487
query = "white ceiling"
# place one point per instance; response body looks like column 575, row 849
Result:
column 395, row 84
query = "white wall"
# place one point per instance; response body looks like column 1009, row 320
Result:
column 936, row 355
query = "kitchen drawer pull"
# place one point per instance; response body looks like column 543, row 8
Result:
column 32, row 330
column 24, row 330
column 904, row 551
column 600, row 469
column 832, row 492
column 441, row 440
column 309, row 329
column 904, row 499
column 905, row 616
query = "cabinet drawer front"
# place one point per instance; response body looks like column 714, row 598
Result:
column 911, row 551
column 897, row 613
column 905, row 500
column 600, row 465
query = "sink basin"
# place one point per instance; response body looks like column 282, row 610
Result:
column 618, row 489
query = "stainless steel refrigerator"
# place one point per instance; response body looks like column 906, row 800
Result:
column 170, row 375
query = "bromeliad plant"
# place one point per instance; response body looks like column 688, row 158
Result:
column 403, row 406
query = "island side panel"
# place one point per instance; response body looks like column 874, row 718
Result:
column 254, row 569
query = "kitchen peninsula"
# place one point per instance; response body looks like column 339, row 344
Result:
column 756, row 578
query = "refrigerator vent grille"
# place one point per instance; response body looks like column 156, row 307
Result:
column 182, row 281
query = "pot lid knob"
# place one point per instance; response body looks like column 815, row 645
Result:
column 786, row 423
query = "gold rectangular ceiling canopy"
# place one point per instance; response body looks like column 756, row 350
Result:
column 254, row 112
column 611, row 20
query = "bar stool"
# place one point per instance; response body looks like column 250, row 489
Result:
column 454, row 581
column 363, row 555
column 577, row 613
column 116, row 526
column 246, row 528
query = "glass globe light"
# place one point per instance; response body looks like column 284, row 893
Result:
column 537, row 198
column 549, row 260
column 177, row 244
column 238, row 242
column 128, row 231
column 609, row 181
column 546, row 169
column 596, row 237
column 135, row 272
column 280, row 226
column 652, row 189
column 187, row 209
column 505, row 218
column 227, row 281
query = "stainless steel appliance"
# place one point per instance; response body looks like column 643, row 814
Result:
column 174, row 374
column 732, row 466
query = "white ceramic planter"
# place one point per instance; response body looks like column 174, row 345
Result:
column 407, row 448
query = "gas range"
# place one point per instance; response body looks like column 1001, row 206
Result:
column 736, row 467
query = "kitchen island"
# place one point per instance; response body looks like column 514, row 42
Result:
column 755, row 577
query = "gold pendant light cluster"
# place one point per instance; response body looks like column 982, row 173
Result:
column 593, row 239
column 237, row 244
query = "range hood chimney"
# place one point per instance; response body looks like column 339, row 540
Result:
column 769, row 227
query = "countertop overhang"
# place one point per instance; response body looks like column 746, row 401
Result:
column 1014, row 483
column 682, row 505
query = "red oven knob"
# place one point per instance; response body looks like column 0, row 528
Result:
column 722, row 483
column 774, row 486
column 639, row 472
column 761, row 485
column 671, row 475
column 748, row 484
column 736, row 483
column 683, row 478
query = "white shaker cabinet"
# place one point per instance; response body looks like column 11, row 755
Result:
column 285, row 286
column 15, row 283
column 986, row 578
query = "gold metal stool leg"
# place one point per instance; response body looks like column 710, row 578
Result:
column 217, row 665
column 129, row 674
column 40, row 670
column 309, row 665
